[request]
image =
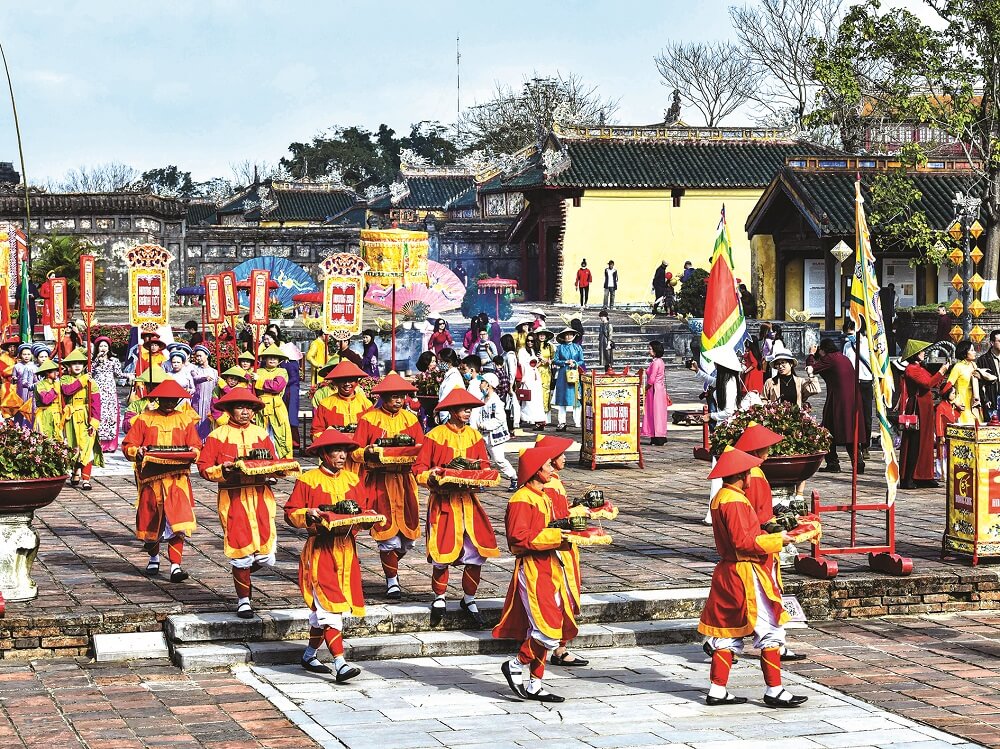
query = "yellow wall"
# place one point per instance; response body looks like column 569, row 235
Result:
column 794, row 297
column 639, row 228
column 764, row 276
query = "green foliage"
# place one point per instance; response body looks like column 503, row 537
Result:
column 802, row 435
column 60, row 254
column 119, row 335
column 26, row 454
column 275, row 311
column 691, row 299
column 473, row 302
column 170, row 181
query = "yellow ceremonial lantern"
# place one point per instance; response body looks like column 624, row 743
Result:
column 956, row 256
column 976, row 255
column 956, row 333
column 976, row 229
column 957, row 282
column 956, row 307
column 977, row 282
column 956, row 230
column 977, row 308
column 977, row 334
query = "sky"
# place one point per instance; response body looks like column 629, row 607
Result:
column 209, row 83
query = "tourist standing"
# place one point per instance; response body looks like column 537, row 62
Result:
column 491, row 422
column 989, row 386
column 369, row 355
column 583, row 280
column 106, row 369
column 546, row 353
column 605, row 340
column 530, row 390
column 866, row 382
column 568, row 363
column 660, row 286
column 785, row 385
column 441, row 337
column 452, row 379
column 916, row 446
column 841, row 408
column 654, row 416
column 204, row 377
column 610, row 285
column 511, row 371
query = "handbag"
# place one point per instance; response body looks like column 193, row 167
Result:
column 523, row 394
column 572, row 376
column 811, row 386
column 908, row 422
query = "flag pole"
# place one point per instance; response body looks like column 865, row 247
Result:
column 857, row 377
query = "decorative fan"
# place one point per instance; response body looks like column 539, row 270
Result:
column 291, row 278
column 641, row 319
column 444, row 291
column 415, row 310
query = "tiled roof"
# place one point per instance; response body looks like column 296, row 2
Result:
column 832, row 194
column 467, row 199
column 198, row 213
column 428, row 192
column 637, row 163
column 309, row 205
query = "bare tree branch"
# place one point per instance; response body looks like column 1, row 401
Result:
column 98, row 178
column 714, row 77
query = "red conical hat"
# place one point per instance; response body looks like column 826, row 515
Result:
column 732, row 462
column 347, row 370
column 239, row 395
column 458, row 398
column 393, row 383
column 531, row 461
column 334, row 438
column 169, row 388
column 558, row 445
column 757, row 436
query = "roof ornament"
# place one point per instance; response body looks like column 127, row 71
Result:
column 410, row 159
column 374, row 192
column 673, row 115
column 398, row 190
column 555, row 161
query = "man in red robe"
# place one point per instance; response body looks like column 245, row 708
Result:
column 329, row 572
column 391, row 488
column 165, row 509
column 458, row 530
column 539, row 608
column 743, row 598
column 246, row 503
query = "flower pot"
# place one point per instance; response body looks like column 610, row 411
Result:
column 696, row 324
column 18, row 540
column 788, row 470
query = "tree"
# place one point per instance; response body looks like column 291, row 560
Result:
column 60, row 254
column 944, row 76
column 513, row 119
column 691, row 299
column 246, row 171
column 430, row 140
column 349, row 151
column 99, row 178
column 778, row 38
column 169, row 181
column 714, row 77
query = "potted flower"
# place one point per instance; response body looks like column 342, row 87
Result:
column 793, row 460
column 428, row 385
column 33, row 470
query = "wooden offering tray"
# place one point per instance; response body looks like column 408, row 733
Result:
column 592, row 536
column 268, row 467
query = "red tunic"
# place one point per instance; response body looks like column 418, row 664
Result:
column 452, row 515
column 392, row 493
column 246, row 503
column 162, row 496
column 334, row 411
column 758, row 491
column 731, row 608
column 535, row 547
column 329, row 572
column 556, row 493
column 916, row 448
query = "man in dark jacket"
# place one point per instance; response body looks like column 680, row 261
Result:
column 990, row 389
column 841, row 414
column 660, row 286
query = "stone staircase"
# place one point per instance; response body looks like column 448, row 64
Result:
column 221, row 640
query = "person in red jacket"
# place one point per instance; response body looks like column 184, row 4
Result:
column 743, row 598
column 583, row 281
column 916, row 446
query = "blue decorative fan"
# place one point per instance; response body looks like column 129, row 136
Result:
column 291, row 278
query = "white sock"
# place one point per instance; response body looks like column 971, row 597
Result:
column 516, row 667
column 390, row 581
column 155, row 558
column 339, row 662
column 470, row 602
column 309, row 653
column 717, row 691
column 534, row 685
column 174, row 568
column 773, row 691
column 242, row 601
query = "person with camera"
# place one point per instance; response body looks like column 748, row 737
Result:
column 916, row 418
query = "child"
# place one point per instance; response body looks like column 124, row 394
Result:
column 48, row 404
column 82, row 411
column 491, row 421
column 946, row 412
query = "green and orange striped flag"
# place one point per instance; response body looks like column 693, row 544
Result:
column 725, row 325
column 865, row 306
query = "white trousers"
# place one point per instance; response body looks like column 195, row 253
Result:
column 497, row 457
column 534, row 632
column 399, row 543
column 242, row 563
column 470, row 555
column 561, row 415
column 767, row 633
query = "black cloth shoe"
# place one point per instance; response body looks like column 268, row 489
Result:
column 477, row 618
column 152, row 569
column 831, row 468
column 314, row 666
column 179, row 576
column 791, row 701
column 543, row 696
column 788, row 655
column 393, row 593
column 515, row 687
column 347, row 672
column 729, row 699
column 560, row 660
column 244, row 611
column 437, row 613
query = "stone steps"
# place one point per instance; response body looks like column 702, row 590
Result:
column 210, row 655
column 222, row 639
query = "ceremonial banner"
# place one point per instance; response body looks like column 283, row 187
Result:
column 148, row 284
column 725, row 324
column 395, row 256
column 972, row 498
column 88, row 283
column 213, row 300
column 60, row 313
column 259, row 301
column 343, row 276
column 611, row 418
column 230, row 300
column 865, row 307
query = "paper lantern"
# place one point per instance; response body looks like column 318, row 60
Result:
column 977, row 308
column 956, row 307
column 977, row 282
column 977, row 334
column 976, row 255
column 956, row 230
column 957, row 282
column 956, row 333
column 956, row 256
column 976, row 229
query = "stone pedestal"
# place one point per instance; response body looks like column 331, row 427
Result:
column 18, row 548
